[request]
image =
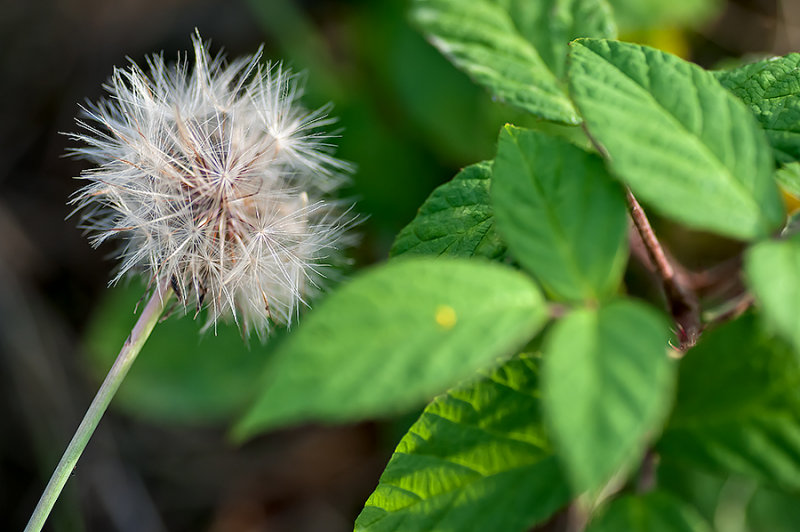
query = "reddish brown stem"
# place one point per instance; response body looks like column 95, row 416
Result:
column 681, row 299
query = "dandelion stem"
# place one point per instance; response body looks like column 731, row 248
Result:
column 139, row 334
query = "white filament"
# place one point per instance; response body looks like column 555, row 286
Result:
column 217, row 179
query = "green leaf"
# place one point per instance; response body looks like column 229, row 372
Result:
column 738, row 406
column 652, row 512
column 455, row 220
column 771, row 88
column 773, row 274
column 515, row 48
column 684, row 144
column 648, row 14
column 788, row 177
column 478, row 459
column 182, row 376
column 607, row 385
column 393, row 338
column 563, row 216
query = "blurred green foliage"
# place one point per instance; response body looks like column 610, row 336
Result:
column 637, row 15
column 182, row 375
column 407, row 116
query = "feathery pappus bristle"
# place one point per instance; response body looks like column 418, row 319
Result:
column 217, row 179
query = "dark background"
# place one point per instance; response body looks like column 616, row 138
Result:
column 161, row 459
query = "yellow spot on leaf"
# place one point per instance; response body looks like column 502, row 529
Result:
column 446, row 316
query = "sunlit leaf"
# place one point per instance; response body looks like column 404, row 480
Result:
column 771, row 89
column 478, row 459
column 685, row 145
column 515, row 48
column 393, row 338
column 455, row 220
column 562, row 214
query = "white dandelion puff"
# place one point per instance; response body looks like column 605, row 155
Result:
column 217, row 180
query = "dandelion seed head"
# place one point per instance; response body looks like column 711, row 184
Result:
column 215, row 178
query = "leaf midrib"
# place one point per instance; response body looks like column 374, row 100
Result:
column 566, row 252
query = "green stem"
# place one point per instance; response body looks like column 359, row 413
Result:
column 139, row 334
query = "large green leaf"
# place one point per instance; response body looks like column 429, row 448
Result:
column 515, row 48
column 652, row 512
column 773, row 273
column 455, row 220
column 683, row 143
column 771, row 89
column 738, row 406
column 607, row 386
column 182, row 376
column 394, row 337
column 478, row 459
column 563, row 216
